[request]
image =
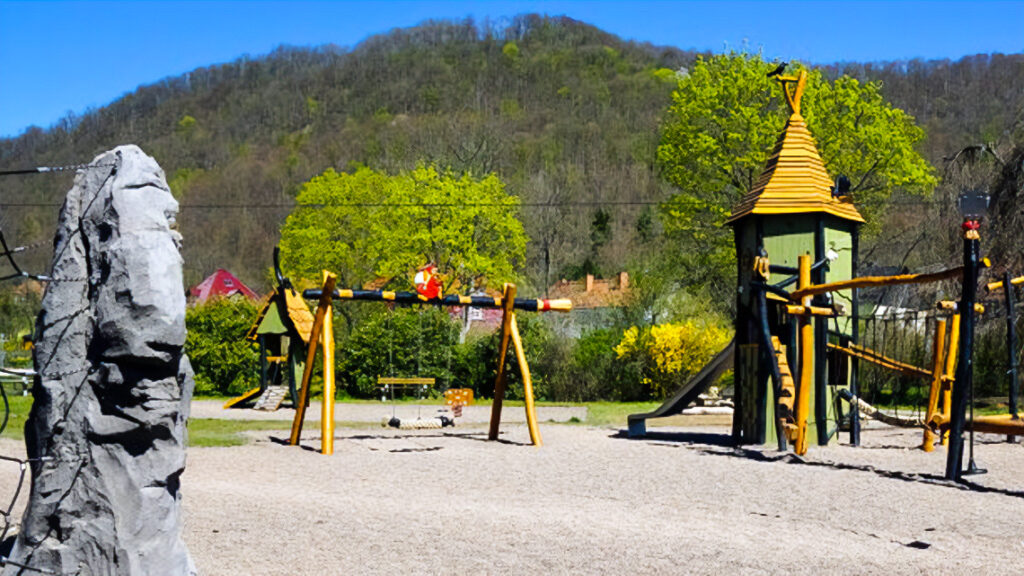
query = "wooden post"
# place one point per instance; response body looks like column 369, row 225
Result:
column 938, row 354
column 947, row 386
column 499, row 382
column 524, row 370
column 327, row 409
column 803, row 399
column 307, row 373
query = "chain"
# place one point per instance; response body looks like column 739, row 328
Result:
column 56, row 375
column 48, row 169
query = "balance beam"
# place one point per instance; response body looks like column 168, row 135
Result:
column 869, row 281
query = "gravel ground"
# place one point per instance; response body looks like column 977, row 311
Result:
column 593, row 502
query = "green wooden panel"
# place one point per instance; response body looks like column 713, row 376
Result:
column 272, row 323
column 786, row 238
column 841, row 241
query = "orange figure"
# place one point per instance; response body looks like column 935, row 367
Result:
column 427, row 284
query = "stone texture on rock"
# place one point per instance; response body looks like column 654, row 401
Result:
column 113, row 388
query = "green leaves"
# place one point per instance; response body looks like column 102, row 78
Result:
column 725, row 117
column 367, row 224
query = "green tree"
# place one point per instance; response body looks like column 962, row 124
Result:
column 722, row 125
column 368, row 224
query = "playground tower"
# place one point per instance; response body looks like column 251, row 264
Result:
column 795, row 208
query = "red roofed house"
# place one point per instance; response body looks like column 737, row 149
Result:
column 220, row 284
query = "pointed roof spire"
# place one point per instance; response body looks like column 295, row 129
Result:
column 794, row 179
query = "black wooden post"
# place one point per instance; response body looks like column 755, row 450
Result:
column 965, row 368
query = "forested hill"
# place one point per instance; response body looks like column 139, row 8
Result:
column 564, row 113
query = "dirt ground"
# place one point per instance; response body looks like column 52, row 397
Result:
column 593, row 502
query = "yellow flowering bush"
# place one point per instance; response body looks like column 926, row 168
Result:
column 671, row 353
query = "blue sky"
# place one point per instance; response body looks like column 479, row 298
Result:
column 57, row 57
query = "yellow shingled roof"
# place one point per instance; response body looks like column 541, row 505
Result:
column 794, row 180
column 299, row 314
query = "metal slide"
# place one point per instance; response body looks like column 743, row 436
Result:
column 708, row 375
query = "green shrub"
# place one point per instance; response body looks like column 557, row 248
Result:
column 404, row 342
column 597, row 373
column 478, row 361
column 225, row 362
column 671, row 353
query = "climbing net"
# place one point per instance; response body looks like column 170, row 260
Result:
column 896, row 346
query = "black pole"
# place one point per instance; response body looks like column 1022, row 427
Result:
column 855, row 333
column 1011, row 342
column 965, row 368
column 820, row 340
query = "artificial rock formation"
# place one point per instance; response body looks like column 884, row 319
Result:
column 113, row 386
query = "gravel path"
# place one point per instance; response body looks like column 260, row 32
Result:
column 593, row 502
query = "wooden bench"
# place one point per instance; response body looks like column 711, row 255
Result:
column 404, row 382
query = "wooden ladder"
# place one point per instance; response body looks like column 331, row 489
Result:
column 785, row 411
column 271, row 398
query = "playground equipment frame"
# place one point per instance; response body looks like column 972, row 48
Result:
column 322, row 332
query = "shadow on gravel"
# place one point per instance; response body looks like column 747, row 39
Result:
column 721, row 445
column 690, row 438
column 476, row 436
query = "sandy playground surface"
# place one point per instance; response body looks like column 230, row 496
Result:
column 593, row 502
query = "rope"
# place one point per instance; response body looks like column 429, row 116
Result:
column 872, row 412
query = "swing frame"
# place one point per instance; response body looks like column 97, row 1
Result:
column 323, row 334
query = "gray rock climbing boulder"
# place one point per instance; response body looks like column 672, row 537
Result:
column 114, row 385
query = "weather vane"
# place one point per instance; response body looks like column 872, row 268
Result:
column 798, row 83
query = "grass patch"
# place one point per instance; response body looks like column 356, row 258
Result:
column 211, row 432
column 20, row 406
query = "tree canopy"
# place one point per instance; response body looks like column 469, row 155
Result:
column 368, row 224
column 722, row 125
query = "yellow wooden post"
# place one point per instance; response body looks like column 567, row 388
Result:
column 947, row 391
column 524, row 370
column 509, row 296
column 803, row 401
column 307, row 373
column 938, row 368
column 327, row 410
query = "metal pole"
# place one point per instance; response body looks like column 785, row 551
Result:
column 961, row 384
column 854, row 362
column 1011, row 342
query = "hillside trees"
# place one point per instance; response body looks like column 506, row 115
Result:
column 568, row 117
column 721, row 127
column 368, row 224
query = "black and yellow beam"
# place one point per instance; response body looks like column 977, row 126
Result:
column 497, row 302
